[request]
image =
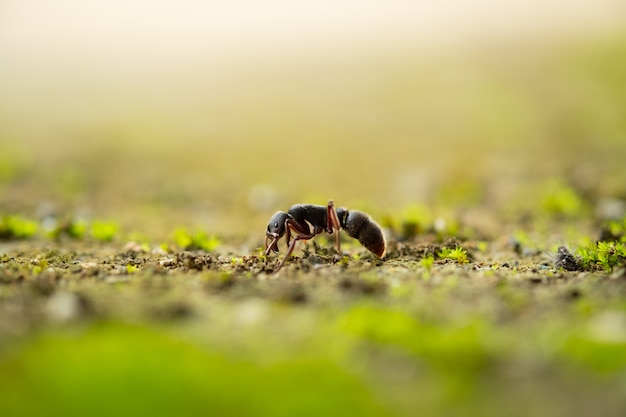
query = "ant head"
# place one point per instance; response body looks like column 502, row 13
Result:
column 276, row 225
column 275, row 230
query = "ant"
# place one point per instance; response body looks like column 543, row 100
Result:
column 302, row 217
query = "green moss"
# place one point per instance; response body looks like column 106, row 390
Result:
column 427, row 262
column 77, row 228
column 17, row 227
column 605, row 255
column 104, row 231
column 188, row 240
column 457, row 254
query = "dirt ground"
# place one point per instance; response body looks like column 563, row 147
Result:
column 505, row 328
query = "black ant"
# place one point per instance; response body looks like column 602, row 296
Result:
column 302, row 217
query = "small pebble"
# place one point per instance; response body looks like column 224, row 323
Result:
column 567, row 261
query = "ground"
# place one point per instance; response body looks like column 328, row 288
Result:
column 133, row 279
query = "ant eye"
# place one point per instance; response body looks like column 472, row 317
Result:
column 276, row 224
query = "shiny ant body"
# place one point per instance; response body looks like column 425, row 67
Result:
column 305, row 221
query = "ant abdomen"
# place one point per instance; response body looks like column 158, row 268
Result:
column 361, row 227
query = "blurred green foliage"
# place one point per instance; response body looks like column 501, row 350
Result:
column 615, row 230
column 367, row 359
column 414, row 219
column 418, row 219
column 116, row 369
column 17, row 227
column 197, row 239
column 104, row 231
column 560, row 200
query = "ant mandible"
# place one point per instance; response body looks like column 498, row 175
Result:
column 301, row 217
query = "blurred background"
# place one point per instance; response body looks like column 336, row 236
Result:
column 217, row 114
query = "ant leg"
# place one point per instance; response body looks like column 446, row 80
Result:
column 333, row 223
column 287, row 233
column 298, row 228
column 300, row 236
column 270, row 246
